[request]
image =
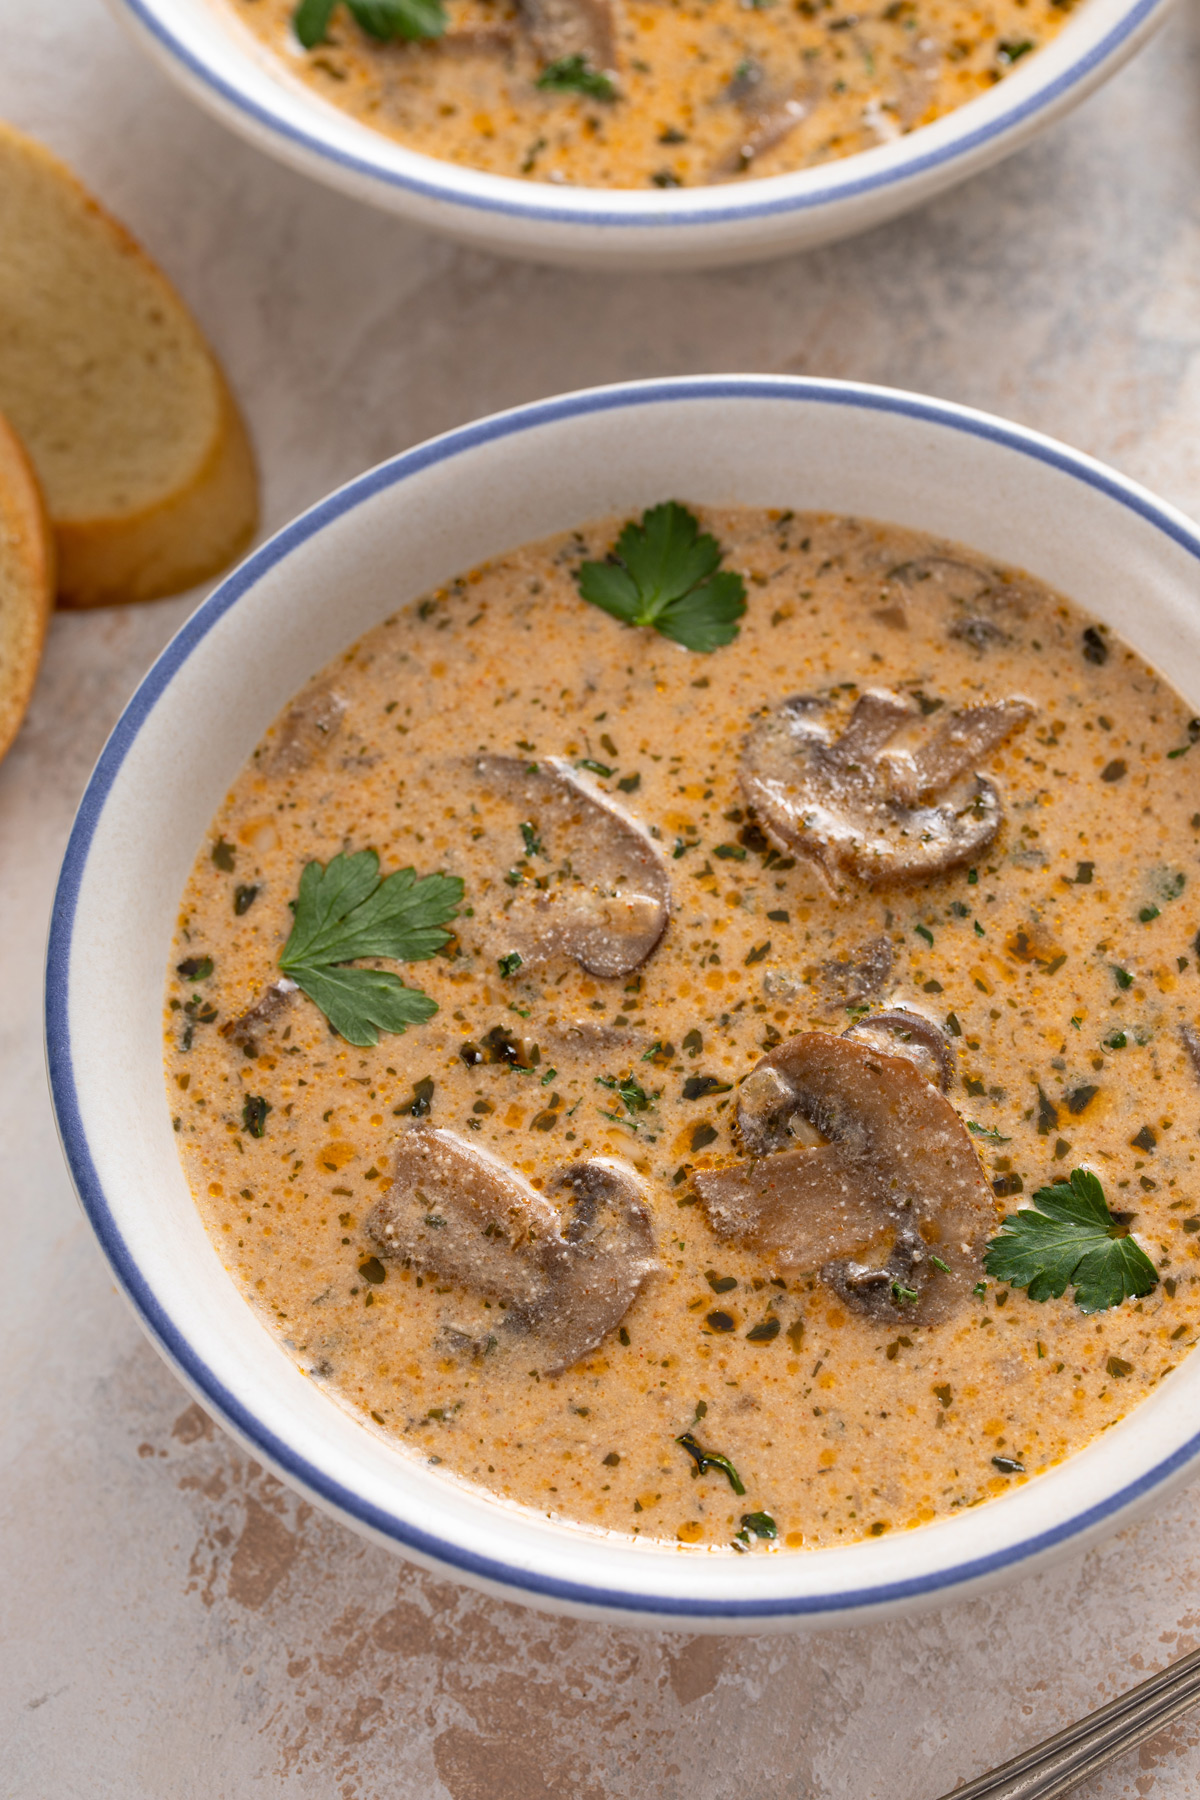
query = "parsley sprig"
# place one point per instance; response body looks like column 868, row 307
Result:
column 666, row 573
column 344, row 911
column 383, row 19
column 576, row 73
column 1068, row 1238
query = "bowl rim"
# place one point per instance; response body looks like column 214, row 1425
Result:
column 1013, row 104
column 494, row 1573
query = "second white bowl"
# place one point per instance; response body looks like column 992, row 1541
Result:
column 204, row 48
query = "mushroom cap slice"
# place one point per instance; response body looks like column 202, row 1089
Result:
column 566, row 1275
column 897, row 1182
column 598, row 1266
column 307, row 728
column 244, row 1030
column 901, row 1032
column 853, row 810
column 563, row 28
column 456, row 1210
column 609, row 896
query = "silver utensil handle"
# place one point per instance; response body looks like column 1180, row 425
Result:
column 1056, row 1766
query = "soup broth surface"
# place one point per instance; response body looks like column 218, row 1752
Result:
column 700, row 92
column 1060, row 965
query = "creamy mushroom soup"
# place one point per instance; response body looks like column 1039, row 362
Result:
column 606, row 1064
column 651, row 94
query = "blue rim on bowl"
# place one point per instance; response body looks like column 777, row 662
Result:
column 871, row 184
column 495, row 1574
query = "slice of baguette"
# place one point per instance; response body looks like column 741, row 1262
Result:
column 142, row 456
column 26, row 582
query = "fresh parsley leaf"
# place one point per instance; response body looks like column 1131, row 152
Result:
column 1068, row 1238
column 360, row 1003
column 344, row 911
column 665, row 573
column 383, row 19
column 576, row 73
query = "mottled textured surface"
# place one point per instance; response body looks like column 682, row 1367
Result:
column 175, row 1623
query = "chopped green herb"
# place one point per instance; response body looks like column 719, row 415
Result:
column 629, row 784
column 693, row 1043
column 631, row 1092
column 1010, row 52
column 597, row 768
column 533, row 843
column 1095, row 650
column 223, row 855
column 382, row 19
column 759, row 953
column 508, row 965
column 698, row 1087
column 244, row 896
column 710, row 1459
column 730, row 852
column 924, row 931
column 943, row 1266
column 575, row 73
column 195, row 968
column 764, row 1333
column 1008, row 1465
column 1122, row 977
column 760, row 1524
column 987, row 1131
column 665, row 573
column 904, row 1296
column 344, row 911
column 1069, row 1238
column 720, row 1284
column 254, row 1114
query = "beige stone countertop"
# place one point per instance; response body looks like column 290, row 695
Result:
column 174, row 1625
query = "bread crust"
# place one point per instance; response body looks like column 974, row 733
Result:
column 175, row 543
column 157, row 545
column 26, row 581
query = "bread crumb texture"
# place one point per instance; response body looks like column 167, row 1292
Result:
column 145, row 464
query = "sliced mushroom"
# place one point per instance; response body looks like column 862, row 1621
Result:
column 308, row 726
column 918, row 85
column 861, row 974
column 901, row 1032
column 882, row 818
column 609, row 893
column 1191, row 1043
column 563, row 28
column 981, row 634
column 459, row 1212
column 244, row 1030
column 770, row 111
column 894, row 1184
column 598, row 1267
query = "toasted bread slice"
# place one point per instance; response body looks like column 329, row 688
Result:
column 26, row 582
column 142, row 456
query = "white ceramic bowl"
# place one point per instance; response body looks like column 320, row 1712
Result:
column 222, row 66
column 395, row 532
